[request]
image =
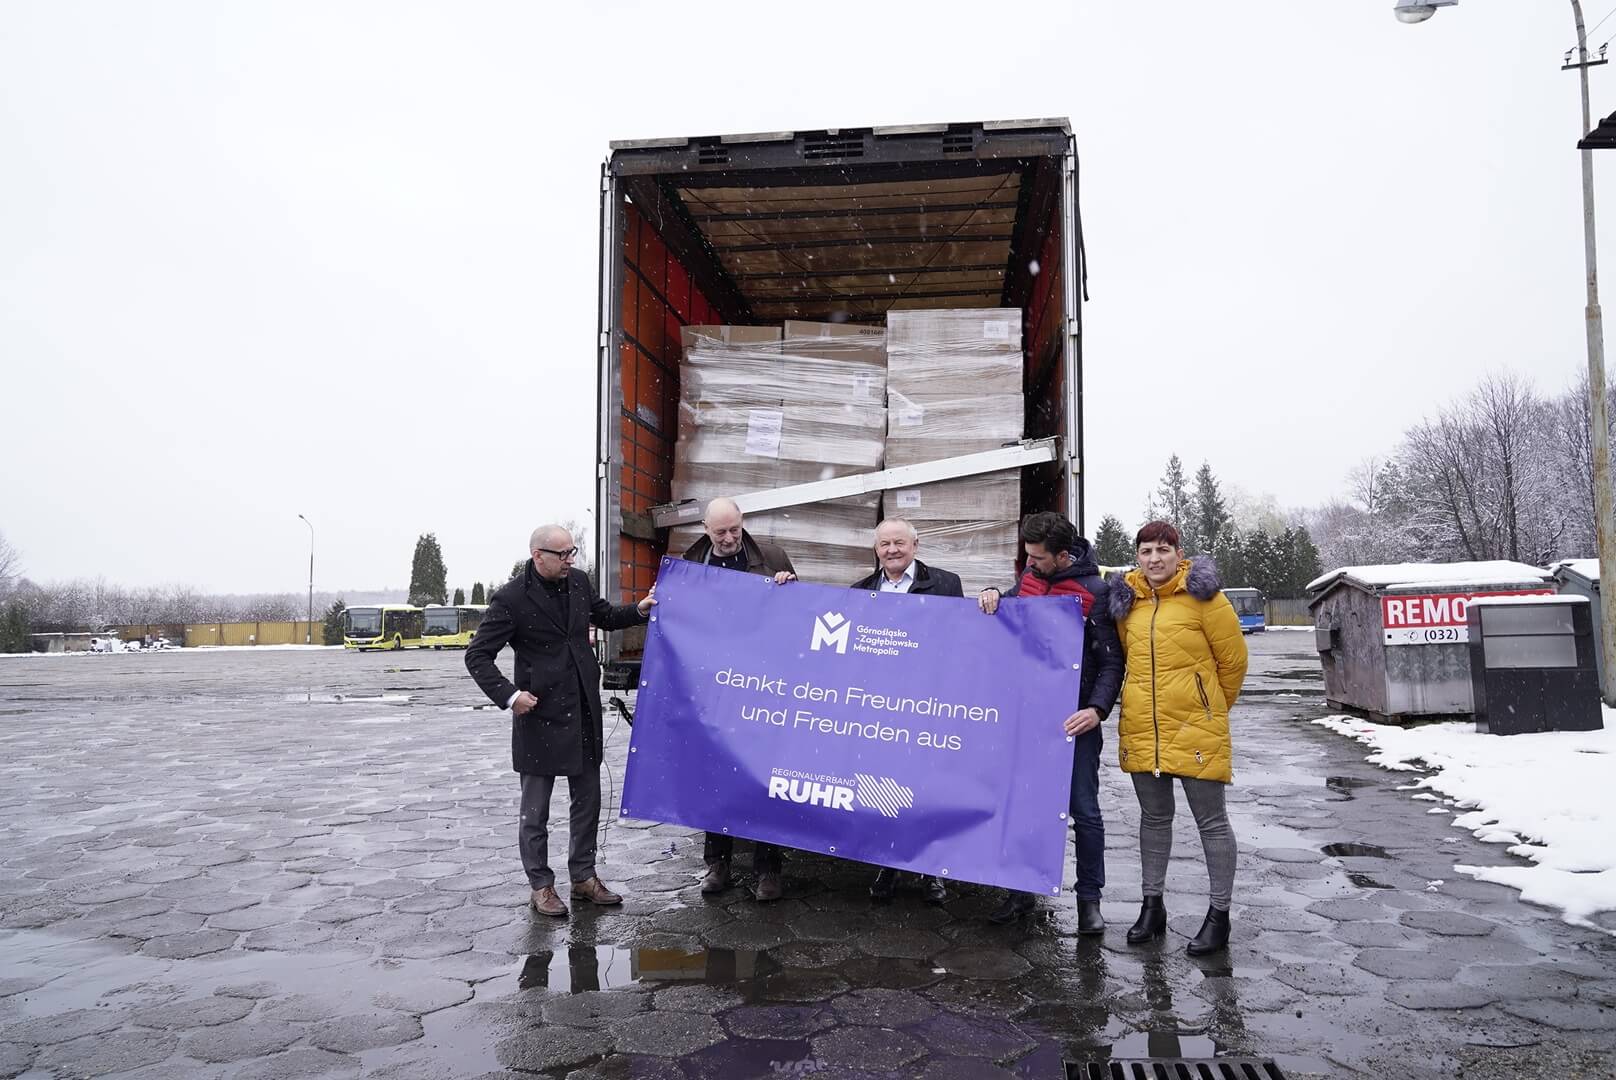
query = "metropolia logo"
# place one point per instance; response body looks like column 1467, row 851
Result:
column 830, row 630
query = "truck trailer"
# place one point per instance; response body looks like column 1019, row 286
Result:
column 836, row 226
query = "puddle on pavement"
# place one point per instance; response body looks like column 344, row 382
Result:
column 1346, row 785
column 1359, row 851
column 310, row 698
column 757, row 1057
column 581, row 968
column 1364, row 881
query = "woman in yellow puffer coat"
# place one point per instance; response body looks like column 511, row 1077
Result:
column 1186, row 660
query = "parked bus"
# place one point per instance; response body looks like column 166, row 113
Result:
column 1252, row 607
column 451, row 627
column 388, row 626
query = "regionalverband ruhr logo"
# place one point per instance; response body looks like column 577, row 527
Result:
column 830, row 630
column 882, row 794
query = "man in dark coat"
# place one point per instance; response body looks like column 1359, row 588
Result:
column 725, row 543
column 544, row 614
column 896, row 543
column 1061, row 563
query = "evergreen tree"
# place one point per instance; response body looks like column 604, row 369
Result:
column 1296, row 561
column 1211, row 512
column 518, row 568
column 334, row 621
column 1260, row 559
column 429, row 582
column 1231, row 559
column 1175, row 502
column 1112, row 545
column 459, row 597
column 477, row 595
column 15, row 631
column 1309, row 566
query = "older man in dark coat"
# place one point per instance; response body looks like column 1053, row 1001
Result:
column 726, row 543
column 896, row 543
column 544, row 614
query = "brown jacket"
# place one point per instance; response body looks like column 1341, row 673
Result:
column 762, row 557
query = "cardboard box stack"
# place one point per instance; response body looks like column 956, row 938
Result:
column 954, row 387
column 758, row 412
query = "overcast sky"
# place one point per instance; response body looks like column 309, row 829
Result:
column 338, row 259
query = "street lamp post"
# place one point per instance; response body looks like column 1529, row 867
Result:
column 309, row 640
column 1599, row 433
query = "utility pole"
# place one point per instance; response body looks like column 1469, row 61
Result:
column 309, row 640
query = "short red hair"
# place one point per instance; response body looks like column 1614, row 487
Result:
column 1158, row 532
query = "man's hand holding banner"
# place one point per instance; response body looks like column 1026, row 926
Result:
column 907, row 731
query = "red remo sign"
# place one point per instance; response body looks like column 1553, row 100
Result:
column 1434, row 619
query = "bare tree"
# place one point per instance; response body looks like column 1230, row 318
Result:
column 268, row 608
column 580, row 540
column 10, row 565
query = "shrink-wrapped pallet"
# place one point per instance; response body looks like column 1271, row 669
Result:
column 954, row 388
column 757, row 414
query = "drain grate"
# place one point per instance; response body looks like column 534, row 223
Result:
column 1157, row 1068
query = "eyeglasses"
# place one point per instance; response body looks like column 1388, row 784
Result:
column 569, row 553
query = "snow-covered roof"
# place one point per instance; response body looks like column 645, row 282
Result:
column 1587, row 569
column 1457, row 575
column 1529, row 598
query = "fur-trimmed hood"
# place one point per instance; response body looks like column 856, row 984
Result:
column 1197, row 576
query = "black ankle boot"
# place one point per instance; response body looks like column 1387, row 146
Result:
column 1016, row 904
column 1214, row 934
column 1152, row 921
column 1089, row 919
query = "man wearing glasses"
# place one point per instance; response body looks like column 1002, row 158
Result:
column 544, row 615
column 725, row 543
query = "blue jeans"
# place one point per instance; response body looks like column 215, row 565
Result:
column 1088, row 828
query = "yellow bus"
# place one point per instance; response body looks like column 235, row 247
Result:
column 387, row 626
column 451, row 627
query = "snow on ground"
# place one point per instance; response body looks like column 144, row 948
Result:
column 1551, row 797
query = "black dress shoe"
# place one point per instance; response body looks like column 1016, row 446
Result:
column 1089, row 919
column 933, row 890
column 1152, row 921
column 1015, row 905
column 1214, row 934
column 884, row 885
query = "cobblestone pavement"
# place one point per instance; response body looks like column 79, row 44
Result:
column 287, row 864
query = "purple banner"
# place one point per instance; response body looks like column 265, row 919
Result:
column 907, row 731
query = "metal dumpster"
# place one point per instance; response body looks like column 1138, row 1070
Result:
column 1580, row 577
column 1393, row 639
column 1532, row 664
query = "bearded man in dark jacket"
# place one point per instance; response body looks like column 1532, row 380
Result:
column 725, row 543
column 1062, row 563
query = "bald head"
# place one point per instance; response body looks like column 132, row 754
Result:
column 544, row 542
column 722, row 523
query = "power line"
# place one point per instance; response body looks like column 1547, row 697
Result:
column 1590, row 31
